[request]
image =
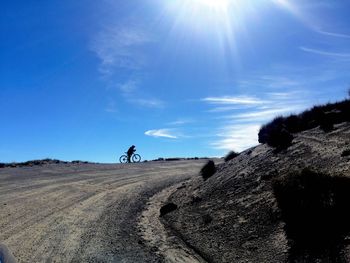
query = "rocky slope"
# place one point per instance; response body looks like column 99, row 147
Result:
column 234, row 216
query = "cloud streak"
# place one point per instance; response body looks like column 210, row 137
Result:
column 238, row 128
column 332, row 34
column 326, row 53
column 162, row 133
column 239, row 100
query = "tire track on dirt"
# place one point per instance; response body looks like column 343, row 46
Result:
column 62, row 213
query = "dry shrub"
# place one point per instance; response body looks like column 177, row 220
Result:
column 208, row 170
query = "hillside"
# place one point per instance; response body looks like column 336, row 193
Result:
column 234, row 215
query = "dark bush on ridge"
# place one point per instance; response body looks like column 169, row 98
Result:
column 314, row 207
column 230, row 156
column 275, row 134
column 345, row 153
column 324, row 116
column 292, row 123
column 2, row 165
column 266, row 130
column 207, row 219
column 172, row 159
column 326, row 126
column 166, row 209
column 208, row 170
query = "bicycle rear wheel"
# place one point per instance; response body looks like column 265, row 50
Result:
column 123, row 159
column 136, row 158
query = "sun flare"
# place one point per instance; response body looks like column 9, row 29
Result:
column 213, row 4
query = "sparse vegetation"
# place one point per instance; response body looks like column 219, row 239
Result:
column 326, row 124
column 196, row 199
column 207, row 219
column 79, row 162
column 345, row 153
column 208, row 170
column 165, row 209
column 231, row 155
column 314, row 207
column 158, row 160
column 39, row 163
column 172, row 159
column 276, row 132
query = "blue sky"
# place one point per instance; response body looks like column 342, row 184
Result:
column 86, row 79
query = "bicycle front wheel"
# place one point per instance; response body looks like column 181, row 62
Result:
column 123, row 159
column 136, row 158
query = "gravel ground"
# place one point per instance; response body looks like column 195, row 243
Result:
column 82, row 212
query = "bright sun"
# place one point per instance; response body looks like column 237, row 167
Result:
column 223, row 21
column 213, row 4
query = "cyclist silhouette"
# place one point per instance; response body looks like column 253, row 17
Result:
column 130, row 152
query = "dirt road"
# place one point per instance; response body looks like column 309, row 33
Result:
column 82, row 212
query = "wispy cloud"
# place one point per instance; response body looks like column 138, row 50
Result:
column 238, row 128
column 239, row 100
column 237, row 137
column 269, row 81
column 111, row 107
column 262, row 115
column 148, row 103
column 326, row 53
column 162, row 133
column 119, row 47
column 180, row 122
column 129, row 87
column 332, row 34
column 132, row 93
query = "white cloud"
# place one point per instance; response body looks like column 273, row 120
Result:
column 237, row 137
column 239, row 129
column 165, row 133
column 239, row 100
column 264, row 115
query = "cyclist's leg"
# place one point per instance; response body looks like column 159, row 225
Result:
column 129, row 156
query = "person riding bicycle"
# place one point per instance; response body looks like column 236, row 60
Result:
column 130, row 152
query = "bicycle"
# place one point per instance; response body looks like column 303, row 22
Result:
column 135, row 158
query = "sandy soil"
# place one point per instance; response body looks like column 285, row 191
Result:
column 169, row 246
column 233, row 216
column 82, row 212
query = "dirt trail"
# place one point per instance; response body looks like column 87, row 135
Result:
column 82, row 212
